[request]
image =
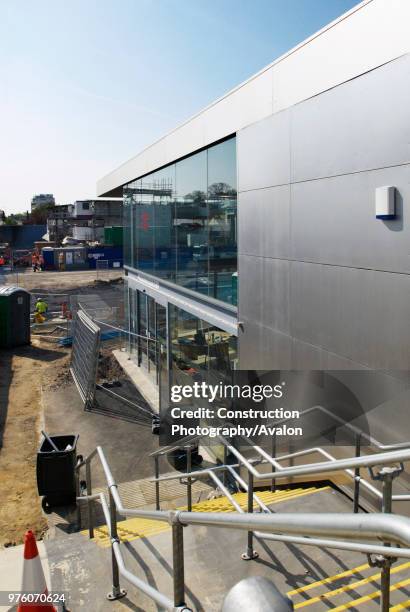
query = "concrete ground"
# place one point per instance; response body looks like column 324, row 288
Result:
column 212, row 564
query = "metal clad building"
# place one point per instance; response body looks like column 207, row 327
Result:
column 322, row 282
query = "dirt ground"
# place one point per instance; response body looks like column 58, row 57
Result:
column 22, row 373
column 62, row 281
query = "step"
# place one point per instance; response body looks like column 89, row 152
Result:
column 134, row 494
column 212, row 561
column 357, row 588
column 134, row 528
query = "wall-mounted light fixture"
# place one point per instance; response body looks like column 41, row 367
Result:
column 385, row 202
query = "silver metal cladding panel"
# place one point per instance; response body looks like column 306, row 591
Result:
column 346, row 299
column 264, row 226
column 333, row 221
column 276, row 294
column 264, row 348
column 361, row 124
column 265, row 292
column 264, row 165
column 306, row 356
column 361, row 315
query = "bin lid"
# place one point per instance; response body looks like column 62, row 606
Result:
column 4, row 291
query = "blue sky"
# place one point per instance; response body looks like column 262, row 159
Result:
column 86, row 84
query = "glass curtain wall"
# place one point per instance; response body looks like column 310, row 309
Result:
column 200, row 351
column 182, row 222
column 147, row 321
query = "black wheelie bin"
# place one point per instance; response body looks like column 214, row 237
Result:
column 56, row 479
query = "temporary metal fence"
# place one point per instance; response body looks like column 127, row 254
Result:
column 57, row 317
column 58, row 303
column 114, row 394
column 84, row 357
column 99, row 309
column 9, row 275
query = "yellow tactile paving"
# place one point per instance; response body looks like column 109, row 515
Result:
column 370, row 597
column 402, row 606
column 328, row 580
column 222, row 504
column 134, row 528
column 349, row 587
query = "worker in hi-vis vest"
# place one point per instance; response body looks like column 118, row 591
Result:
column 41, row 306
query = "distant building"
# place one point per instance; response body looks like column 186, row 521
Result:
column 42, row 199
column 84, row 220
column 2, row 217
column 59, row 222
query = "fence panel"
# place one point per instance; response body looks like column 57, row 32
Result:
column 84, row 358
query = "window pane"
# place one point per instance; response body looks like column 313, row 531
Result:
column 127, row 226
column 191, row 223
column 222, row 205
column 181, row 222
column 163, row 193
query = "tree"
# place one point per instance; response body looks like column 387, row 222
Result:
column 40, row 213
column 196, row 196
column 216, row 190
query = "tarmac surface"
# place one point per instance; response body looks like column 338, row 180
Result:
column 125, row 444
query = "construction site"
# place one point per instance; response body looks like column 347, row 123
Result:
column 147, row 527
column 204, row 368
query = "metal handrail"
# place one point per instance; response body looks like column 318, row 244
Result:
column 312, row 529
column 335, row 465
column 327, row 455
column 189, row 441
column 183, row 443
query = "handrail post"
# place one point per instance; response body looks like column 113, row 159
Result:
column 78, row 493
column 189, row 481
column 357, row 476
column 250, row 553
column 156, row 462
column 273, row 482
column 178, row 564
column 225, row 459
column 90, row 513
column 386, row 475
column 117, row 592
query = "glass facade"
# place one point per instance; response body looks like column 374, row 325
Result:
column 200, row 351
column 180, row 222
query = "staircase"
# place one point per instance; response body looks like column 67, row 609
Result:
column 317, row 560
column 134, row 528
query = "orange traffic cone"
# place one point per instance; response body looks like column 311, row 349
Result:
column 33, row 577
